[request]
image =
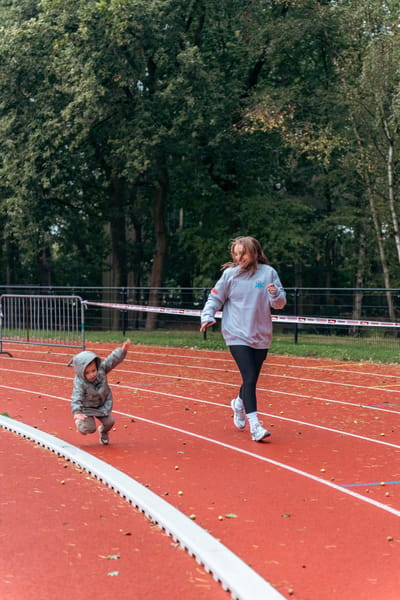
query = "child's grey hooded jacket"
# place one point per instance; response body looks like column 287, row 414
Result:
column 93, row 398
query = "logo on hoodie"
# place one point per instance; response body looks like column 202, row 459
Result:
column 259, row 284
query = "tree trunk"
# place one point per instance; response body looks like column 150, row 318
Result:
column 374, row 211
column 377, row 227
column 390, row 154
column 160, row 249
column 359, row 279
column 44, row 266
column 382, row 256
column 134, row 237
column 114, row 274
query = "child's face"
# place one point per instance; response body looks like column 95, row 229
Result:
column 90, row 372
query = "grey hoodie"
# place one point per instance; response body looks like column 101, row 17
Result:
column 246, row 302
column 93, row 398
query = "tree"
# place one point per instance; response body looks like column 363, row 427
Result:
column 139, row 136
column 370, row 83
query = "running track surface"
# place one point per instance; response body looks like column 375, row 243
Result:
column 314, row 510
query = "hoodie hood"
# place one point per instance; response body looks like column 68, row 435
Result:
column 80, row 361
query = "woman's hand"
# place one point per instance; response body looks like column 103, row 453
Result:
column 204, row 326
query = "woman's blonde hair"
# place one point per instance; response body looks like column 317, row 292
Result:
column 253, row 248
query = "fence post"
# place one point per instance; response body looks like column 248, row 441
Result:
column 1, row 331
column 296, row 314
column 124, row 294
column 205, row 296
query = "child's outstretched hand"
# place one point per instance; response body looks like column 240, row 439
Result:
column 126, row 345
column 79, row 416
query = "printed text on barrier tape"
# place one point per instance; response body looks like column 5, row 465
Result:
column 278, row 318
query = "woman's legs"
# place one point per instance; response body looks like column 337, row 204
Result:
column 249, row 362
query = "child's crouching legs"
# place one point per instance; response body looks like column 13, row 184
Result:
column 107, row 423
column 86, row 425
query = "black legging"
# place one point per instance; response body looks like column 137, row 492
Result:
column 249, row 361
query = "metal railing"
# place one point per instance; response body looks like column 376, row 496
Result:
column 334, row 303
column 42, row 319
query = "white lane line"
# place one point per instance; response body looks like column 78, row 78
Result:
column 154, row 392
column 270, row 362
column 227, row 568
column 267, row 373
column 144, row 351
column 270, row 461
column 253, row 455
column 225, row 384
column 262, row 375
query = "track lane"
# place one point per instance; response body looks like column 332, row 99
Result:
column 289, row 430
column 264, row 500
column 65, row 535
column 340, row 459
column 288, row 405
column 175, row 410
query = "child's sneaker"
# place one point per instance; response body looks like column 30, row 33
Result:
column 259, row 433
column 103, row 435
column 239, row 416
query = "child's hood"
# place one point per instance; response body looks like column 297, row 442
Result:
column 81, row 361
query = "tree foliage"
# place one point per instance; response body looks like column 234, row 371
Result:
column 139, row 136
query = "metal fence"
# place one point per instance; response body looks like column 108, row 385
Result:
column 51, row 320
column 333, row 303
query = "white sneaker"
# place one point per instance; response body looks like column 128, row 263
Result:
column 239, row 416
column 103, row 435
column 259, row 433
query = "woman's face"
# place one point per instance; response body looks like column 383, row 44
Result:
column 240, row 255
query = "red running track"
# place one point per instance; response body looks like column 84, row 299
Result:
column 66, row 535
column 315, row 510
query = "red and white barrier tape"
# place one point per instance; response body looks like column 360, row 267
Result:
column 277, row 318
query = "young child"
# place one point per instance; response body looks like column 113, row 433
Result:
column 91, row 394
column 247, row 290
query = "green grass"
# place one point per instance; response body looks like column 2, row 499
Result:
column 342, row 348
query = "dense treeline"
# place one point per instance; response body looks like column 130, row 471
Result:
column 139, row 136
